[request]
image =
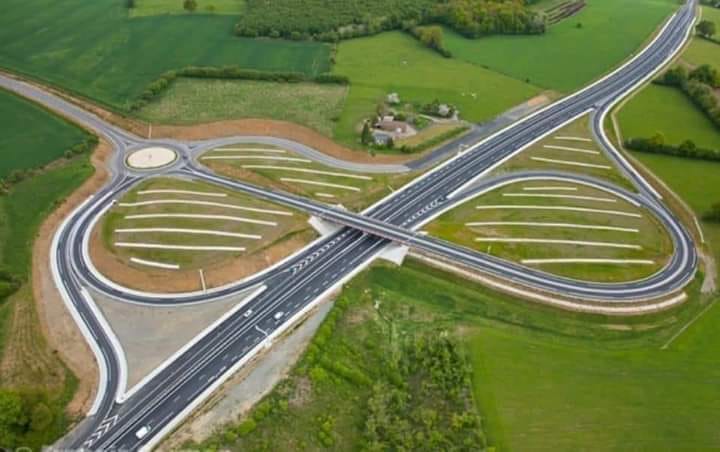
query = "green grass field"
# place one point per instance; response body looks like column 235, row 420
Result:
column 544, row 379
column 197, row 100
column 94, row 49
column 667, row 110
column 159, row 7
column 694, row 181
column 567, row 57
column 702, row 51
column 395, row 62
column 33, row 137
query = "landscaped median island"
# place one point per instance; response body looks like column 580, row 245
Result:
column 562, row 228
column 274, row 167
column 175, row 235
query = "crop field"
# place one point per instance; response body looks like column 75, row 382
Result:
column 395, row 62
column 199, row 100
column 193, row 225
column 567, row 56
column 667, row 110
column 31, row 137
column 100, row 53
column 282, row 169
column 569, row 149
column 556, row 227
column 159, row 7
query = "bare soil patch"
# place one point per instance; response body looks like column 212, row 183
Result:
column 278, row 129
column 56, row 323
column 175, row 281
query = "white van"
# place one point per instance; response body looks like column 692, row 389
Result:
column 144, row 430
column 279, row 315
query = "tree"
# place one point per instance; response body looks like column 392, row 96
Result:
column 12, row 418
column 706, row 28
column 713, row 214
column 366, row 136
column 130, row 4
column 190, row 5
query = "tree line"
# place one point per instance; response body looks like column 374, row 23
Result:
column 335, row 20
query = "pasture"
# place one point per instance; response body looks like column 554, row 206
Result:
column 702, row 51
column 567, row 56
column 31, row 136
column 159, row 7
column 200, row 100
column 100, row 53
column 395, row 62
column 667, row 110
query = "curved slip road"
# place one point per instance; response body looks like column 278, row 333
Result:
column 296, row 285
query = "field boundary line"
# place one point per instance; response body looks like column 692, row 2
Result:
column 688, row 325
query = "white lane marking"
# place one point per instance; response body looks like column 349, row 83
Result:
column 204, row 203
column 569, row 149
column 588, row 140
column 190, row 231
column 552, row 225
column 161, row 246
column 306, row 170
column 324, row 195
column 319, row 184
column 154, row 264
column 588, row 261
column 557, row 242
column 268, row 150
column 542, row 195
column 574, row 209
column 199, row 216
column 255, row 157
column 550, row 188
column 570, row 163
column 183, row 192
column 202, row 280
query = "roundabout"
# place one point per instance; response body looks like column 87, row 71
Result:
column 151, row 158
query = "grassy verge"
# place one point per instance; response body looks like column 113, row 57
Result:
column 395, row 62
column 32, row 377
column 568, row 56
column 200, row 100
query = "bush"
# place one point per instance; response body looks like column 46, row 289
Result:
column 687, row 149
column 713, row 214
column 246, row 427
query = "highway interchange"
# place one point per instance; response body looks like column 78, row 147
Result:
column 298, row 283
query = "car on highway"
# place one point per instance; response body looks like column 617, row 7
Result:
column 248, row 313
column 144, row 430
column 278, row 316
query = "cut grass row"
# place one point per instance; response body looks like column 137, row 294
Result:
column 287, row 226
column 655, row 244
column 355, row 190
